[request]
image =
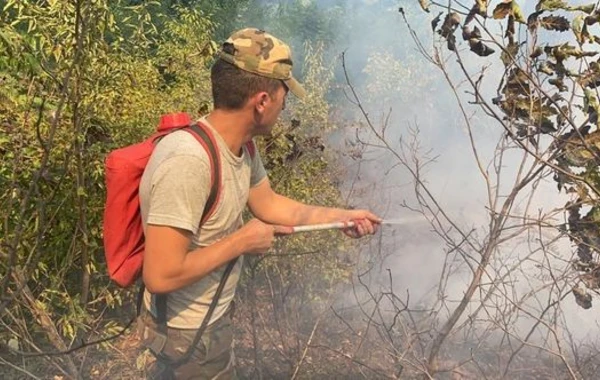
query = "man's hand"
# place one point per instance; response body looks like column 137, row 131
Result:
column 365, row 223
column 260, row 236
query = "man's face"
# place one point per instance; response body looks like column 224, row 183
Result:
column 272, row 109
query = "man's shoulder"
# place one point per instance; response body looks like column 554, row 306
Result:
column 179, row 143
column 178, row 151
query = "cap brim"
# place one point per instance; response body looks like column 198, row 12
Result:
column 295, row 87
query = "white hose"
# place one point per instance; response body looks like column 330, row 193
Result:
column 342, row 225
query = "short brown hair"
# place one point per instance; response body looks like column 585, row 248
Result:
column 232, row 87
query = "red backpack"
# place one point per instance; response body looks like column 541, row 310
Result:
column 124, row 167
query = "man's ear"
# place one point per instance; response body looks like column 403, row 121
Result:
column 261, row 100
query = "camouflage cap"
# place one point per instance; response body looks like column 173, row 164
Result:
column 260, row 53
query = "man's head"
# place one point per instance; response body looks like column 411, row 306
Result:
column 251, row 62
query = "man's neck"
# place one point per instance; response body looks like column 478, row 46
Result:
column 232, row 126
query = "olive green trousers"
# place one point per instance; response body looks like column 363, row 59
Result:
column 212, row 357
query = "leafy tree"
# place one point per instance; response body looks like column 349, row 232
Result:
column 78, row 80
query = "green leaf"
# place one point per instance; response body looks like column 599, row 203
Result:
column 482, row 7
column 518, row 13
column 578, row 26
column 589, row 8
column 9, row 4
column 550, row 5
column 590, row 103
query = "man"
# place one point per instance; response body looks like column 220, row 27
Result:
column 250, row 81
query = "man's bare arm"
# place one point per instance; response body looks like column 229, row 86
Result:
column 168, row 266
column 274, row 208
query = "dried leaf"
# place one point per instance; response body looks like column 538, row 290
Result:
column 578, row 53
column 591, row 280
column 479, row 8
column 480, row 48
column 547, row 126
column 591, row 20
column 436, row 21
column 468, row 34
column 556, row 23
column 507, row 8
column 537, row 51
column 545, row 68
column 451, row 21
column 510, row 29
column 565, row 50
column 425, row 5
column 451, row 42
column 502, row 10
column 590, row 78
column 533, row 22
column 474, row 10
column 454, row 19
column 509, row 53
column 554, row 52
column 446, row 28
column 517, row 82
column 559, row 84
column 582, row 298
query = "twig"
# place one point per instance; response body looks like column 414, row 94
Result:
column 26, row 372
column 306, row 347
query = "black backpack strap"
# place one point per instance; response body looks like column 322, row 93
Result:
column 213, row 305
column 140, row 299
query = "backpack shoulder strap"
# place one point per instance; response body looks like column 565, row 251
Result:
column 207, row 140
column 251, row 148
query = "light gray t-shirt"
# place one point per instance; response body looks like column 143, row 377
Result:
column 173, row 192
